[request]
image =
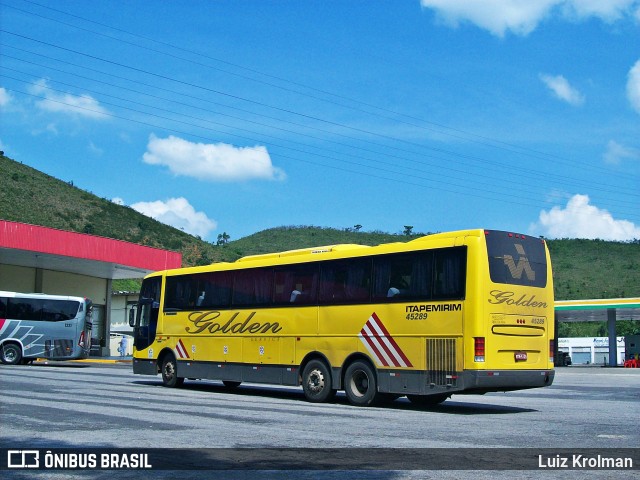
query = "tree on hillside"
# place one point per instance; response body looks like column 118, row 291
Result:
column 223, row 238
column 408, row 230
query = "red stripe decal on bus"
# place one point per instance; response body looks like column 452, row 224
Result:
column 391, row 339
column 381, row 345
column 372, row 347
column 182, row 352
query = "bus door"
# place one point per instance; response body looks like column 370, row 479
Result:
column 144, row 318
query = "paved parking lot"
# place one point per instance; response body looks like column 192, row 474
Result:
column 80, row 405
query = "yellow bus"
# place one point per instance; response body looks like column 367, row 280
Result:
column 450, row 313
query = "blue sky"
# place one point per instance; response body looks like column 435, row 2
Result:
column 238, row 116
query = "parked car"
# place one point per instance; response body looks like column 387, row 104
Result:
column 563, row 359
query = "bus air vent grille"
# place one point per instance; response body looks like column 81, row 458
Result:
column 441, row 361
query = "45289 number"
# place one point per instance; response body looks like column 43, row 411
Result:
column 416, row 316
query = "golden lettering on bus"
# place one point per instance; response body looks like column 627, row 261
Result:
column 509, row 298
column 208, row 322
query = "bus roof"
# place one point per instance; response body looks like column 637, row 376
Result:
column 41, row 296
column 327, row 252
column 303, row 251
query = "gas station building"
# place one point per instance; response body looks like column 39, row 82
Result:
column 601, row 310
column 36, row 259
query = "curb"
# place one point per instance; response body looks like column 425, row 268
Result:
column 113, row 361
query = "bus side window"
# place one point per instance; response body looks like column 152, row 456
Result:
column 346, row 281
column 215, row 289
column 3, row 307
column 252, row 287
column 296, row 284
column 402, row 276
column 449, row 274
column 25, row 309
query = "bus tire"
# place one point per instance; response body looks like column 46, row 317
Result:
column 10, row 353
column 360, row 384
column 170, row 372
column 316, row 382
column 231, row 384
column 428, row 400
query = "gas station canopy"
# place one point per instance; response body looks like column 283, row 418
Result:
column 597, row 310
column 51, row 249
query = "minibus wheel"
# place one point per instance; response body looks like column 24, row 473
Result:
column 10, row 354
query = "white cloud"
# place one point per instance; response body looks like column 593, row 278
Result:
column 633, row 85
column 579, row 219
column 616, row 153
column 209, row 161
column 117, row 200
column 606, row 10
column 5, row 98
column 80, row 105
column 521, row 17
column 497, row 16
column 562, row 89
column 178, row 213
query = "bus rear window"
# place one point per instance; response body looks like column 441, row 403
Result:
column 516, row 259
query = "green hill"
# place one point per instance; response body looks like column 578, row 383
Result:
column 582, row 268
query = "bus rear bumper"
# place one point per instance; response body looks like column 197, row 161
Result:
column 482, row 381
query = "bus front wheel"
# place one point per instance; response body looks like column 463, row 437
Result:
column 360, row 384
column 170, row 372
column 316, row 381
column 11, row 354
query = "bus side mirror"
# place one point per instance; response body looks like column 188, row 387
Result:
column 132, row 317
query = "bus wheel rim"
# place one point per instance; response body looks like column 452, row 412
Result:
column 169, row 370
column 316, row 381
column 359, row 383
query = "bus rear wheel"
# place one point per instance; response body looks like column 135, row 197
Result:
column 170, row 372
column 316, row 382
column 10, row 354
column 360, row 384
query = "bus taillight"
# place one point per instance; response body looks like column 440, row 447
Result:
column 81, row 340
column 478, row 348
column 552, row 349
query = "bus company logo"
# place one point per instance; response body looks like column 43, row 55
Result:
column 208, row 322
column 381, row 345
column 523, row 266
